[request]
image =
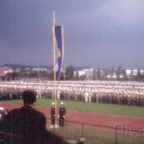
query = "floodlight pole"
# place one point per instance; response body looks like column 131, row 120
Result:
column 54, row 65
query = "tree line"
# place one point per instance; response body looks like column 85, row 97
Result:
column 69, row 74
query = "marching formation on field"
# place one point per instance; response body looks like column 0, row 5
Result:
column 113, row 92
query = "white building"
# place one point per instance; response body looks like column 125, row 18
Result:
column 128, row 72
column 87, row 72
column 80, row 73
column 39, row 69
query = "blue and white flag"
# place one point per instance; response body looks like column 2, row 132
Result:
column 59, row 43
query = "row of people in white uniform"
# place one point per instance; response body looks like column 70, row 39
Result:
column 136, row 88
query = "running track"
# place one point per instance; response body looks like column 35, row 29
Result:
column 91, row 118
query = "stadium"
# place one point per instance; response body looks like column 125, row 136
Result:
column 71, row 72
column 96, row 106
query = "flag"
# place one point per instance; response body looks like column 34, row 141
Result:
column 59, row 44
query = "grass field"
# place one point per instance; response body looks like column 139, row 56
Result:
column 115, row 109
column 96, row 136
column 93, row 135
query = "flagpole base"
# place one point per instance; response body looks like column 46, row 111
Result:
column 54, row 126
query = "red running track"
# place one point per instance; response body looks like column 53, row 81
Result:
column 105, row 120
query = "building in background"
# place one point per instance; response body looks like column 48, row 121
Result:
column 5, row 73
column 63, row 68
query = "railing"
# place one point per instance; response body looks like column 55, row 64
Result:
column 93, row 133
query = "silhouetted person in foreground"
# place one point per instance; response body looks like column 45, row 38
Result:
column 28, row 125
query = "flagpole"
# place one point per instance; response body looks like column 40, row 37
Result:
column 54, row 65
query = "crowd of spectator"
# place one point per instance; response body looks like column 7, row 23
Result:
column 131, row 93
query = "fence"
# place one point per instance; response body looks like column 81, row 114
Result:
column 93, row 133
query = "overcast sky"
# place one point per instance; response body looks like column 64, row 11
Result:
column 97, row 33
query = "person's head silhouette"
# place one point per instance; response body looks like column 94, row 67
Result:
column 29, row 96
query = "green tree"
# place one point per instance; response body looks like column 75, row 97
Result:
column 67, row 73
column 71, row 71
column 105, row 74
column 98, row 73
column 62, row 76
column 33, row 74
column 139, row 74
column 112, row 72
column 83, row 77
column 131, row 74
column 77, row 75
column 51, row 75
column 94, row 74
column 124, row 75
column 42, row 74
column 23, row 73
column 14, row 74
column 118, row 72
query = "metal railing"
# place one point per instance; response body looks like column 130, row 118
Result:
column 93, row 133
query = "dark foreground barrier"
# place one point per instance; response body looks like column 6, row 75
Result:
column 93, row 133
column 90, row 132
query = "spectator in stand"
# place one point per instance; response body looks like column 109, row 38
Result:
column 2, row 114
column 27, row 125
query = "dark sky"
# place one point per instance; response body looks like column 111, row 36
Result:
column 97, row 33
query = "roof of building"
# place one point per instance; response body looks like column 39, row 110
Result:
column 17, row 70
column 39, row 69
column 4, row 71
column 49, row 71
column 64, row 66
